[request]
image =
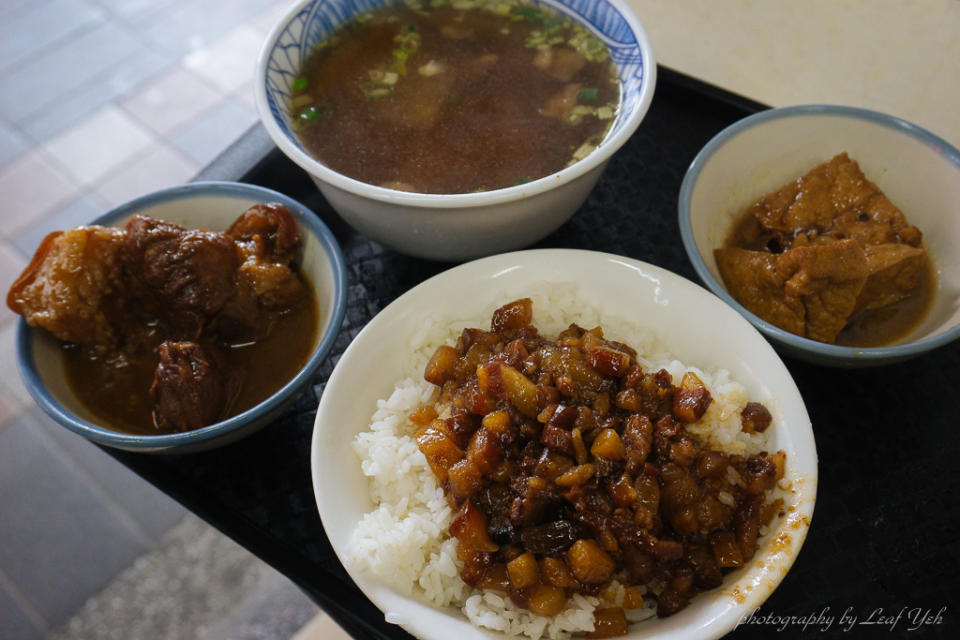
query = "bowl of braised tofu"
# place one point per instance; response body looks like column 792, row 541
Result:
column 832, row 229
column 455, row 130
column 184, row 319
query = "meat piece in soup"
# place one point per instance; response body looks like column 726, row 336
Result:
column 267, row 237
column 447, row 100
column 71, row 286
column 190, row 389
column 189, row 274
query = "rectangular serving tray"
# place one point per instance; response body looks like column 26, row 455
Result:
column 884, row 529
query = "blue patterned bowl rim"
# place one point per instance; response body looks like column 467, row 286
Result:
column 841, row 355
column 331, row 249
column 309, row 21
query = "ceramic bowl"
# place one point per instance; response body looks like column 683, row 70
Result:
column 681, row 315
column 456, row 226
column 210, row 205
column 919, row 173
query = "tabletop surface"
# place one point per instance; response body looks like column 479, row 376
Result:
column 901, row 58
column 883, row 533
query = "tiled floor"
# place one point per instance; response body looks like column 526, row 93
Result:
column 100, row 101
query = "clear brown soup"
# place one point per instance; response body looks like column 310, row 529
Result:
column 473, row 102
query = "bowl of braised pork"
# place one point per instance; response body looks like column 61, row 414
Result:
column 454, row 130
column 832, row 229
column 550, row 444
column 184, row 319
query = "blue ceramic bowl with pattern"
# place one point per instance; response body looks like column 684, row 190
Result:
column 214, row 206
column 467, row 225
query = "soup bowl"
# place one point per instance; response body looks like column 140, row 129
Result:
column 918, row 171
column 214, row 206
column 465, row 225
column 629, row 299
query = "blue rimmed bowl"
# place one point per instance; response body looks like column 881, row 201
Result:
column 209, row 205
column 917, row 170
column 454, row 226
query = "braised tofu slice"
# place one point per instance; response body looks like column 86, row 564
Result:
column 894, row 270
column 819, row 199
column 827, row 279
column 810, row 291
column 751, row 277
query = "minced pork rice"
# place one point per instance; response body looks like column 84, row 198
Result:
column 404, row 540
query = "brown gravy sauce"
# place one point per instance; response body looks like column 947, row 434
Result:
column 889, row 324
column 116, row 390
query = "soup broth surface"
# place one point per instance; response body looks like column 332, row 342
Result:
column 447, row 100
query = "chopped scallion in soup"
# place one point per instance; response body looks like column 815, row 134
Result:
column 455, row 97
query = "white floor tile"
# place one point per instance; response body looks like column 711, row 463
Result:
column 105, row 140
column 10, row 383
column 209, row 135
column 159, row 167
column 31, row 187
column 244, row 95
column 172, row 100
column 12, row 265
column 10, row 409
column 229, row 62
column 268, row 19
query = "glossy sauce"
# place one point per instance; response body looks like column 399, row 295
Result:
column 116, row 390
column 887, row 325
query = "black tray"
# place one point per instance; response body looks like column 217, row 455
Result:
column 883, row 540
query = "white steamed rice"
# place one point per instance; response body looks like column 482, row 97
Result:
column 405, row 540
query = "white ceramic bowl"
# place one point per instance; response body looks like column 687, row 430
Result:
column 685, row 317
column 214, row 206
column 918, row 171
column 456, row 226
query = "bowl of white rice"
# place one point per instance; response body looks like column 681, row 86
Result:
column 385, row 515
